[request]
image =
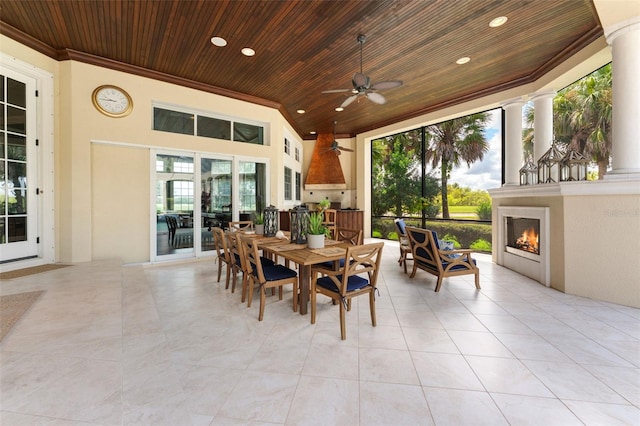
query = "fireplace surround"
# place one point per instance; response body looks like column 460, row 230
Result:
column 524, row 241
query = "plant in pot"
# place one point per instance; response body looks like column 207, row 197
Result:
column 258, row 223
column 316, row 231
column 324, row 204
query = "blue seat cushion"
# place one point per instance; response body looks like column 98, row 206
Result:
column 353, row 283
column 266, row 262
column 445, row 264
column 330, row 264
column 278, row 272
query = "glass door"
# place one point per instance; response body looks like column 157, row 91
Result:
column 252, row 189
column 18, row 201
column 174, row 202
column 216, row 210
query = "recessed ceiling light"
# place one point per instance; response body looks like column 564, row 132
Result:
column 301, row 111
column 247, row 51
column 313, row 132
column 463, row 60
column 339, row 109
column 500, row 20
column 218, row 41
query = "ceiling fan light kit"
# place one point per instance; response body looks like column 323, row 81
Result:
column 362, row 85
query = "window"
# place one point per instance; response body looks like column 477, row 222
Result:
column 193, row 123
column 172, row 121
column 298, row 185
column 214, row 128
column 287, row 183
column 297, row 157
column 287, row 146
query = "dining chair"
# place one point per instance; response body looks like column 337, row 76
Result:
column 263, row 275
column 244, row 225
column 236, row 260
column 405, row 246
column 344, row 284
column 330, row 221
column 222, row 253
column 351, row 236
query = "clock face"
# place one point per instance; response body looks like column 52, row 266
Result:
column 112, row 101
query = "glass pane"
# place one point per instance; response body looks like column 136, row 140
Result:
column 287, row 183
column 17, row 229
column 216, row 178
column 16, row 147
column 16, row 120
column 214, row 128
column 174, row 204
column 2, row 123
column 248, row 133
column 16, row 187
column 3, row 189
column 16, row 93
column 1, row 144
column 173, row 121
column 3, row 229
column 1, row 88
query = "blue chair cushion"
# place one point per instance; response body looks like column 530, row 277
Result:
column 353, row 283
column 278, row 272
column 330, row 264
column 266, row 262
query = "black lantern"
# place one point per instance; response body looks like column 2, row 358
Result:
column 549, row 165
column 299, row 224
column 270, row 221
column 573, row 166
column 529, row 173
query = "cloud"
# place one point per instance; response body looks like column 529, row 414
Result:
column 487, row 173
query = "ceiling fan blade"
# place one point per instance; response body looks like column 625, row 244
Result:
column 336, row 91
column 376, row 97
column 348, row 101
column 342, row 148
column 387, row 85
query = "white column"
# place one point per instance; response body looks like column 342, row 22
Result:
column 625, row 151
column 513, row 153
column 542, row 123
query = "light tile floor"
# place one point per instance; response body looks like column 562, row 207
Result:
column 168, row 345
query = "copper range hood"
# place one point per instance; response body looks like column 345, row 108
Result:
column 325, row 170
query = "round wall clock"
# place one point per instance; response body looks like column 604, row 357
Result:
column 112, row 101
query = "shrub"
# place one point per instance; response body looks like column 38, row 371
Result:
column 481, row 245
column 484, row 210
column 393, row 235
column 376, row 234
column 449, row 237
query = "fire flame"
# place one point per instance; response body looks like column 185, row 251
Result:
column 528, row 241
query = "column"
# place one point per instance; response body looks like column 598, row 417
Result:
column 513, row 153
column 625, row 150
column 542, row 123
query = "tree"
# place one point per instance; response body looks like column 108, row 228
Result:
column 454, row 141
column 583, row 117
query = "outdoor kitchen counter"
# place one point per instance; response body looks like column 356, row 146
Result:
column 349, row 219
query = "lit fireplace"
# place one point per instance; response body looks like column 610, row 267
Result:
column 523, row 234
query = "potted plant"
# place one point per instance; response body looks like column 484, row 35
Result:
column 258, row 223
column 316, row 230
column 324, row 204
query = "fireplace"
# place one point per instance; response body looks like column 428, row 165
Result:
column 523, row 237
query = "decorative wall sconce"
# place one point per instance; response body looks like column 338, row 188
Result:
column 529, row 173
column 549, row 165
column 270, row 221
column 573, row 166
column 299, row 224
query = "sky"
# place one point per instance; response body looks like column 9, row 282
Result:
column 485, row 174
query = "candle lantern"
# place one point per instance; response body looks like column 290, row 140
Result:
column 549, row 165
column 573, row 166
column 529, row 173
column 270, row 221
column 299, row 224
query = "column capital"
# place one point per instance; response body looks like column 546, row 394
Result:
column 517, row 102
column 543, row 95
column 623, row 27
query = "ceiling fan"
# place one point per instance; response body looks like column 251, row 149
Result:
column 335, row 147
column 362, row 85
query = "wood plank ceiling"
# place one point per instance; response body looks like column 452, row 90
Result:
column 305, row 47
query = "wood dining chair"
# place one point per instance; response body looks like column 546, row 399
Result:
column 243, row 225
column 264, row 276
column 329, row 221
column 222, row 253
column 348, row 282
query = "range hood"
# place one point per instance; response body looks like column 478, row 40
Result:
column 325, row 170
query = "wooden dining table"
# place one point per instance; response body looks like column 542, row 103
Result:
column 305, row 258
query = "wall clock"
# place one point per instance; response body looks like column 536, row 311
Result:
column 112, row 101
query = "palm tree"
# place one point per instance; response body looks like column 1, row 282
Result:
column 454, row 141
column 583, row 115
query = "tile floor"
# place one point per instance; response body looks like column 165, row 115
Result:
column 168, row 345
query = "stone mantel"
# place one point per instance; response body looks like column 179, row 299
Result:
column 599, row 187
